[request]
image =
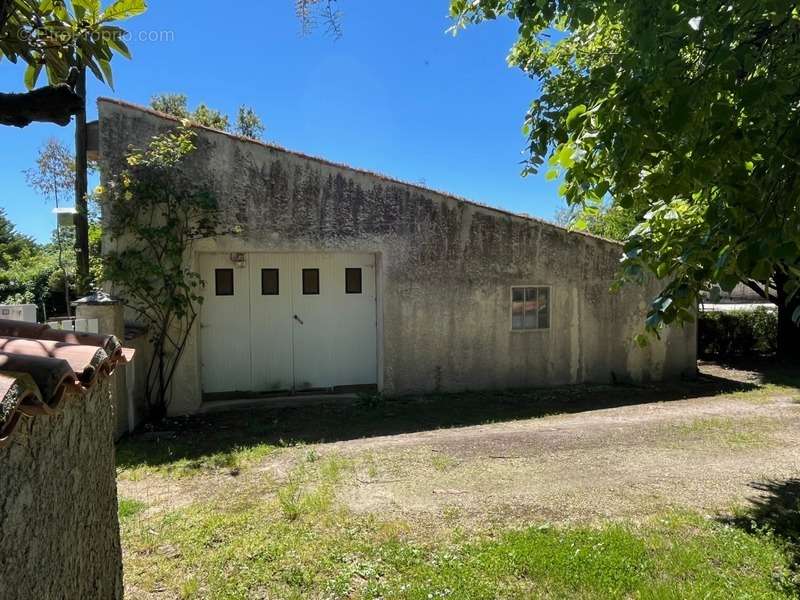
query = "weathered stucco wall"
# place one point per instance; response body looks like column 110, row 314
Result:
column 59, row 534
column 445, row 269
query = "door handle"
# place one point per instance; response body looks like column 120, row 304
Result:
column 296, row 318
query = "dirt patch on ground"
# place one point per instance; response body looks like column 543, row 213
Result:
column 622, row 462
column 629, row 461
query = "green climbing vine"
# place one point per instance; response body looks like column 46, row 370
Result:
column 155, row 213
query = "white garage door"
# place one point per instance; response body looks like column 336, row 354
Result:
column 288, row 322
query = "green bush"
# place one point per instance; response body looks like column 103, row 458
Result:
column 737, row 333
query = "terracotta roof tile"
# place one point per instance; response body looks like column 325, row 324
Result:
column 109, row 343
column 85, row 361
column 52, row 376
column 16, row 389
column 39, row 365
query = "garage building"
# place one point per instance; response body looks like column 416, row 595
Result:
column 341, row 279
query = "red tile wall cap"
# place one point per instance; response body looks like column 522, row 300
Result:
column 85, row 361
column 39, row 366
column 53, row 378
column 109, row 343
column 16, row 390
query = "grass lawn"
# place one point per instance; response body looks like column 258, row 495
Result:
column 259, row 550
column 258, row 510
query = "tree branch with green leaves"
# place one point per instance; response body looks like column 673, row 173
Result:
column 684, row 114
column 59, row 38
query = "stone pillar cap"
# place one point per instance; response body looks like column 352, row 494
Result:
column 97, row 298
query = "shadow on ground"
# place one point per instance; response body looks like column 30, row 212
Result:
column 775, row 510
column 762, row 370
column 197, row 436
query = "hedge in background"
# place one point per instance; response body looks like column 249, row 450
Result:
column 737, row 333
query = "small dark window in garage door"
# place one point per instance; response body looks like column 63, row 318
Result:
column 310, row 282
column 352, row 281
column 270, row 282
column 223, row 282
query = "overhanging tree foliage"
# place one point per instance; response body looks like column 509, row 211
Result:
column 608, row 220
column 60, row 38
column 313, row 12
column 64, row 39
column 686, row 114
column 156, row 212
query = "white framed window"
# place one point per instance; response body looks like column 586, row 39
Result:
column 530, row 307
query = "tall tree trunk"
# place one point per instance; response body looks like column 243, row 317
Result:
column 788, row 330
column 81, row 189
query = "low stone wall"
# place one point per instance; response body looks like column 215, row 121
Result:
column 59, row 531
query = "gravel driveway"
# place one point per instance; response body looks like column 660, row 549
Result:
column 630, row 461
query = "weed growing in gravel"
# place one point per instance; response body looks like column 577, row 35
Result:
column 128, row 508
column 725, row 431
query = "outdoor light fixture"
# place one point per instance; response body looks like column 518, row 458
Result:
column 238, row 260
column 65, row 216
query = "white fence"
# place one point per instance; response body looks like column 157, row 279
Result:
column 27, row 313
column 748, row 307
column 18, row 312
column 75, row 324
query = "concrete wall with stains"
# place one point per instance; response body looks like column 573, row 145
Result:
column 446, row 266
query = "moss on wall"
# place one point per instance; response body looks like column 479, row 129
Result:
column 445, row 268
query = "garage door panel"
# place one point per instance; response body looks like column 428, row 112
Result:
column 288, row 321
column 313, row 321
column 271, row 321
column 335, row 334
column 355, row 325
column 224, row 325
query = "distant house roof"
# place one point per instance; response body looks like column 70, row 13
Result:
column 39, row 365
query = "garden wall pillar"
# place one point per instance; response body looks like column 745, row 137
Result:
column 109, row 313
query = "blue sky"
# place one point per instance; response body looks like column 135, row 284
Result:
column 396, row 94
